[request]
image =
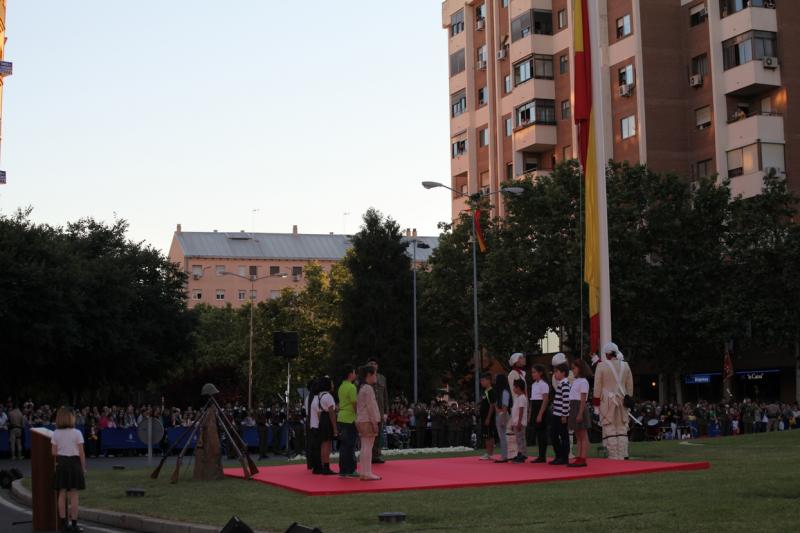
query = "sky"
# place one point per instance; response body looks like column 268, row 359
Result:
column 199, row 112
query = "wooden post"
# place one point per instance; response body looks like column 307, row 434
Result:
column 45, row 513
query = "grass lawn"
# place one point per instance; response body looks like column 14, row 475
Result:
column 753, row 484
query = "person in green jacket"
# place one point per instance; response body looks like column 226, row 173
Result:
column 346, row 420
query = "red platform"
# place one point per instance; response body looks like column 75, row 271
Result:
column 450, row 473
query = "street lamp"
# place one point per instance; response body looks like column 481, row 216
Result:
column 416, row 244
column 475, row 197
column 252, row 280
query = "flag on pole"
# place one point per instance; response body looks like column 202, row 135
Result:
column 727, row 366
column 479, row 231
column 585, row 124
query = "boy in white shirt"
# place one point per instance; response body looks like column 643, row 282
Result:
column 519, row 419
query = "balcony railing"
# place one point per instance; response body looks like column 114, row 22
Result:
column 729, row 7
column 741, row 115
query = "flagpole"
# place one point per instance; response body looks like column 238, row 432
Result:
column 600, row 85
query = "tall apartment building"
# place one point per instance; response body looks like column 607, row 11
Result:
column 5, row 70
column 699, row 87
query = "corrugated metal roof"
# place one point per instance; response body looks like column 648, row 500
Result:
column 287, row 246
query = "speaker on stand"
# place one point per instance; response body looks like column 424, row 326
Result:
column 285, row 344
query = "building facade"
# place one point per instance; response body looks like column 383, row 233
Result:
column 5, row 70
column 698, row 87
column 230, row 268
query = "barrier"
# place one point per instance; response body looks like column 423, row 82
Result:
column 120, row 439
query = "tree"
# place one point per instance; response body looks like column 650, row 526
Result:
column 376, row 301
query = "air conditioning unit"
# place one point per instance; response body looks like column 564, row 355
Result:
column 480, row 24
column 481, row 65
column 773, row 171
column 197, row 276
column 696, row 80
column 501, row 54
column 770, row 62
column 626, row 90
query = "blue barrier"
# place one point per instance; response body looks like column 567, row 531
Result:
column 120, row 439
column 174, row 437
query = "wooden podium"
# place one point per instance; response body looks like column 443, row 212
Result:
column 45, row 512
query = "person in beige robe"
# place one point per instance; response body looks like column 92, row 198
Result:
column 612, row 381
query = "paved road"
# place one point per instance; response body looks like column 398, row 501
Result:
column 11, row 512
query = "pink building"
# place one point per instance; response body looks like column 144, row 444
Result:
column 224, row 267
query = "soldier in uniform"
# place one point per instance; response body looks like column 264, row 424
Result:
column 420, row 425
column 382, row 396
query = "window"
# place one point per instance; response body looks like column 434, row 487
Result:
column 456, row 23
column 481, row 53
column 566, row 109
column 459, row 148
column 509, row 172
column 700, row 65
column 521, row 26
column 697, row 15
column 749, row 46
column 536, row 112
column 480, row 12
column 745, row 160
column 626, row 75
column 542, row 22
column 197, row 294
column 274, row 270
column 483, row 96
column 505, row 3
column 537, row 66
column 623, row 26
column 242, row 270
column 253, row 271
column 220, row 294
column 457, row 62
column 563, row 64
column 197, row 271
column 242, row 294
column 458, row 103
column 766, row 106
column 702, row 117
column 274, row 295
column 297, row 271
column 703, row 168
column 483, row 136
column 628, row 126
column 566, row 153
column 507, row 84
column 509, row 127
column 562, row 19
column 253, row 294
column 220, row 270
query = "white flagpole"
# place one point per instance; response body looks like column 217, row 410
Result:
column 598, row 35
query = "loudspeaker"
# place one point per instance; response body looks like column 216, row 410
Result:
column 284, row 344
column 235, row 525
column 297, row 528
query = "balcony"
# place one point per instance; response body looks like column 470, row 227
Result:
column 764, row 127
column 747, row 185
column 753, row 18
column 535, row 137
column 6, row 68
column 459, row 164
column 751, row 78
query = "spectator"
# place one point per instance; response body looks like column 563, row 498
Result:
column 346, row 420
column 382, row 397
column 323, row 423
column 16, row 425
column 368, row 418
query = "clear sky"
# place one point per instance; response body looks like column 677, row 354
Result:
column 199, row 111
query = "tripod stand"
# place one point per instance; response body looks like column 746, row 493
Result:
column 249, row 467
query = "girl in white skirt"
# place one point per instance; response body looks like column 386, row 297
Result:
column 67, row 445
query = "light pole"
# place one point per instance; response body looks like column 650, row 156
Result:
column 475, row 197
column 252, row 280
column 416, row 244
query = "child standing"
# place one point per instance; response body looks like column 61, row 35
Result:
column 519, row 419
column 579, row 420
column 559, row 432
column 487, row 415
column 540, row 395
column 502, row 414
column 67, row 447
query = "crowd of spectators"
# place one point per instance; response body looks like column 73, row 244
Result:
column 439, row 424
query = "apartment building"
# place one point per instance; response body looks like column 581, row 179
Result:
column 231, row 267
column 699, row 87
column 6, row 68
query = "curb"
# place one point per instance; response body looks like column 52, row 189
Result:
column 145, row 524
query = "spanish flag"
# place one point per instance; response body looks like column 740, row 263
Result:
column 479, row 232
column 585, row 124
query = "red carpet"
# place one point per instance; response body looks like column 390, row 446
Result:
column 451, row 473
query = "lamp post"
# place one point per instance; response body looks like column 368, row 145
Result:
column 416, row 244
column 252, row 280
column 475, row 197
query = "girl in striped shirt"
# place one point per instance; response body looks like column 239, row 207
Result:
column 559, row 432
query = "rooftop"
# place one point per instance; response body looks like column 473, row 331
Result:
column 288, row 246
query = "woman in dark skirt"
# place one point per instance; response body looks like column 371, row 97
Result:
column 67, row 444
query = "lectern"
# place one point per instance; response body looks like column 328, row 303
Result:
column 45, row 513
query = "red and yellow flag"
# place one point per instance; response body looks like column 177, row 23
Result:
column 479, row 232
column 585, row 123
